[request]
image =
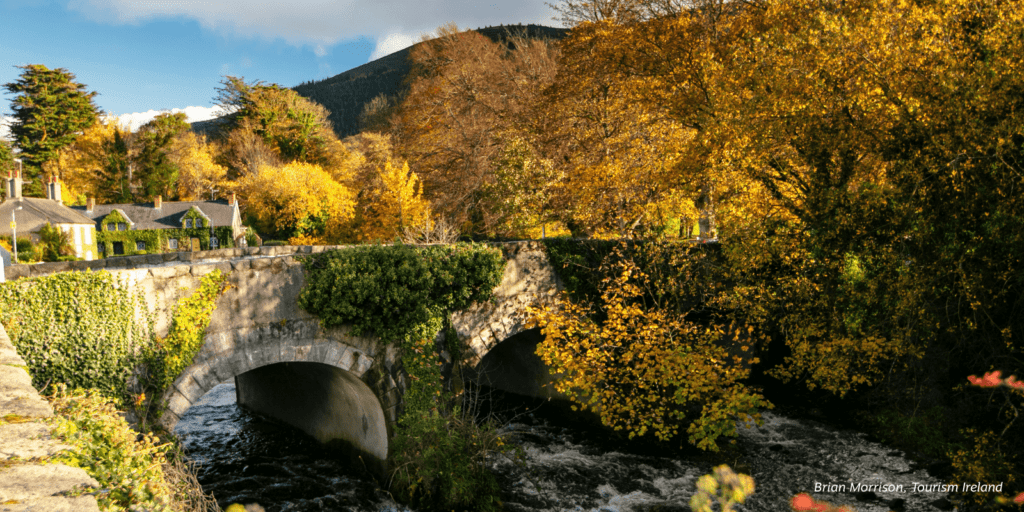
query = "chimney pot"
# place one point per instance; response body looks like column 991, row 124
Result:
column 232, row 200
column 158, row 203
column 90, row 204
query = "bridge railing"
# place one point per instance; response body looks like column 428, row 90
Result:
column 164, row 259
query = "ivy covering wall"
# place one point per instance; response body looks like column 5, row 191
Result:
column 157, row 240
column 78, row 328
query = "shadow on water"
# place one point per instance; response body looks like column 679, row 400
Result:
column 245, row 458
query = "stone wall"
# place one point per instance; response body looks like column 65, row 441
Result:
column 25, row 483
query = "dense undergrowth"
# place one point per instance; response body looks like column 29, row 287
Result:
column 405, row 295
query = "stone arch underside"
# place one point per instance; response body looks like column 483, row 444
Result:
column 327, row 376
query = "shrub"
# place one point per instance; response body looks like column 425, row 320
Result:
column 126, row 465
column 83, row 329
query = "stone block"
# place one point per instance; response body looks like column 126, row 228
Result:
column 170, row 256
column 168, row 420
column 119, row 262
column 79, row 265
column 345, row 359
column 205, row 377
column 202, row 270
column 318, row 351
column 226, row 366
column 98, row 264
column 170, row 272
column 22, row 482
column 178, row 404
column 27, row 441
column 154, row 259
column 240, row 265
column 302, row 353
column 260, row 263
column 188, row 387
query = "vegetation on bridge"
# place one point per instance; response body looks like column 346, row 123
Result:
column 404, row 295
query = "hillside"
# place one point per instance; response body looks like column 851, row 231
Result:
column 345, row 94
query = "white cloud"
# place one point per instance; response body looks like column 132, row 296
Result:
column 392, row 43
column 5, row 127
column 135, row 120
column 192, row 114
column 321, row 23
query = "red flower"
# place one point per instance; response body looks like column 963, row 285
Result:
column 804, row 503
column 990, row 380
column 1019, row 499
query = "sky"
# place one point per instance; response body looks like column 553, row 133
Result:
column 148, row 56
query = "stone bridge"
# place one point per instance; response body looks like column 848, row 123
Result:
column 335, row 386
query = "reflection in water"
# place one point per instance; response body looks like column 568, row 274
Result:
column 244, row 458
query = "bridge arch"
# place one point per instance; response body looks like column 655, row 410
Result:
column 323, row 371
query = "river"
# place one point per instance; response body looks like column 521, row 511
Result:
column 568, row 467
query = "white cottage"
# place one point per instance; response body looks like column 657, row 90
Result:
column 31, row 214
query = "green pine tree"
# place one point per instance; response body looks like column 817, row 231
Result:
column 50, row 111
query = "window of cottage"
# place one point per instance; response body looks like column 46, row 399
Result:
column 118, row 248
column 188, row 223
column 121, row 226
column 172, row 243
column 213, row 242
column 140, row 246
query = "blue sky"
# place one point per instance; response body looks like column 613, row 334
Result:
column 149, row 55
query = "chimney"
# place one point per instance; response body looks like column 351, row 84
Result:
column 90, row 204
column 13, row 184
column 53, row 189
column 232, row 200
column 158, row 203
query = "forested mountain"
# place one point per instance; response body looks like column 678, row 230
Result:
column 345, row 95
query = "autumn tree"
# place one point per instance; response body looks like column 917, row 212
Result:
column 642, row 365
column 293, row 127
column 50, row 111
column 199, row 176
column 115, row 177
column 79, row 165
column 392, row 203
column 467, row 95
column 6, row 158
column 298, row 201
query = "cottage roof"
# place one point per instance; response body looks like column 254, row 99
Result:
column 146, row 216
column 35, row 212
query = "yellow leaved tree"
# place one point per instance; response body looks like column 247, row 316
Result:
column 393, row 202
column 645, row 368
column 199, row 176
column 78, row 164
column 298, row 201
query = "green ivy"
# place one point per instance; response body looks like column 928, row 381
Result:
column 83, row 329
column 198, row 220
column 156, row 239
column 394, row 291
column 166, row 358
column 404, row 295
column 114, row 217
